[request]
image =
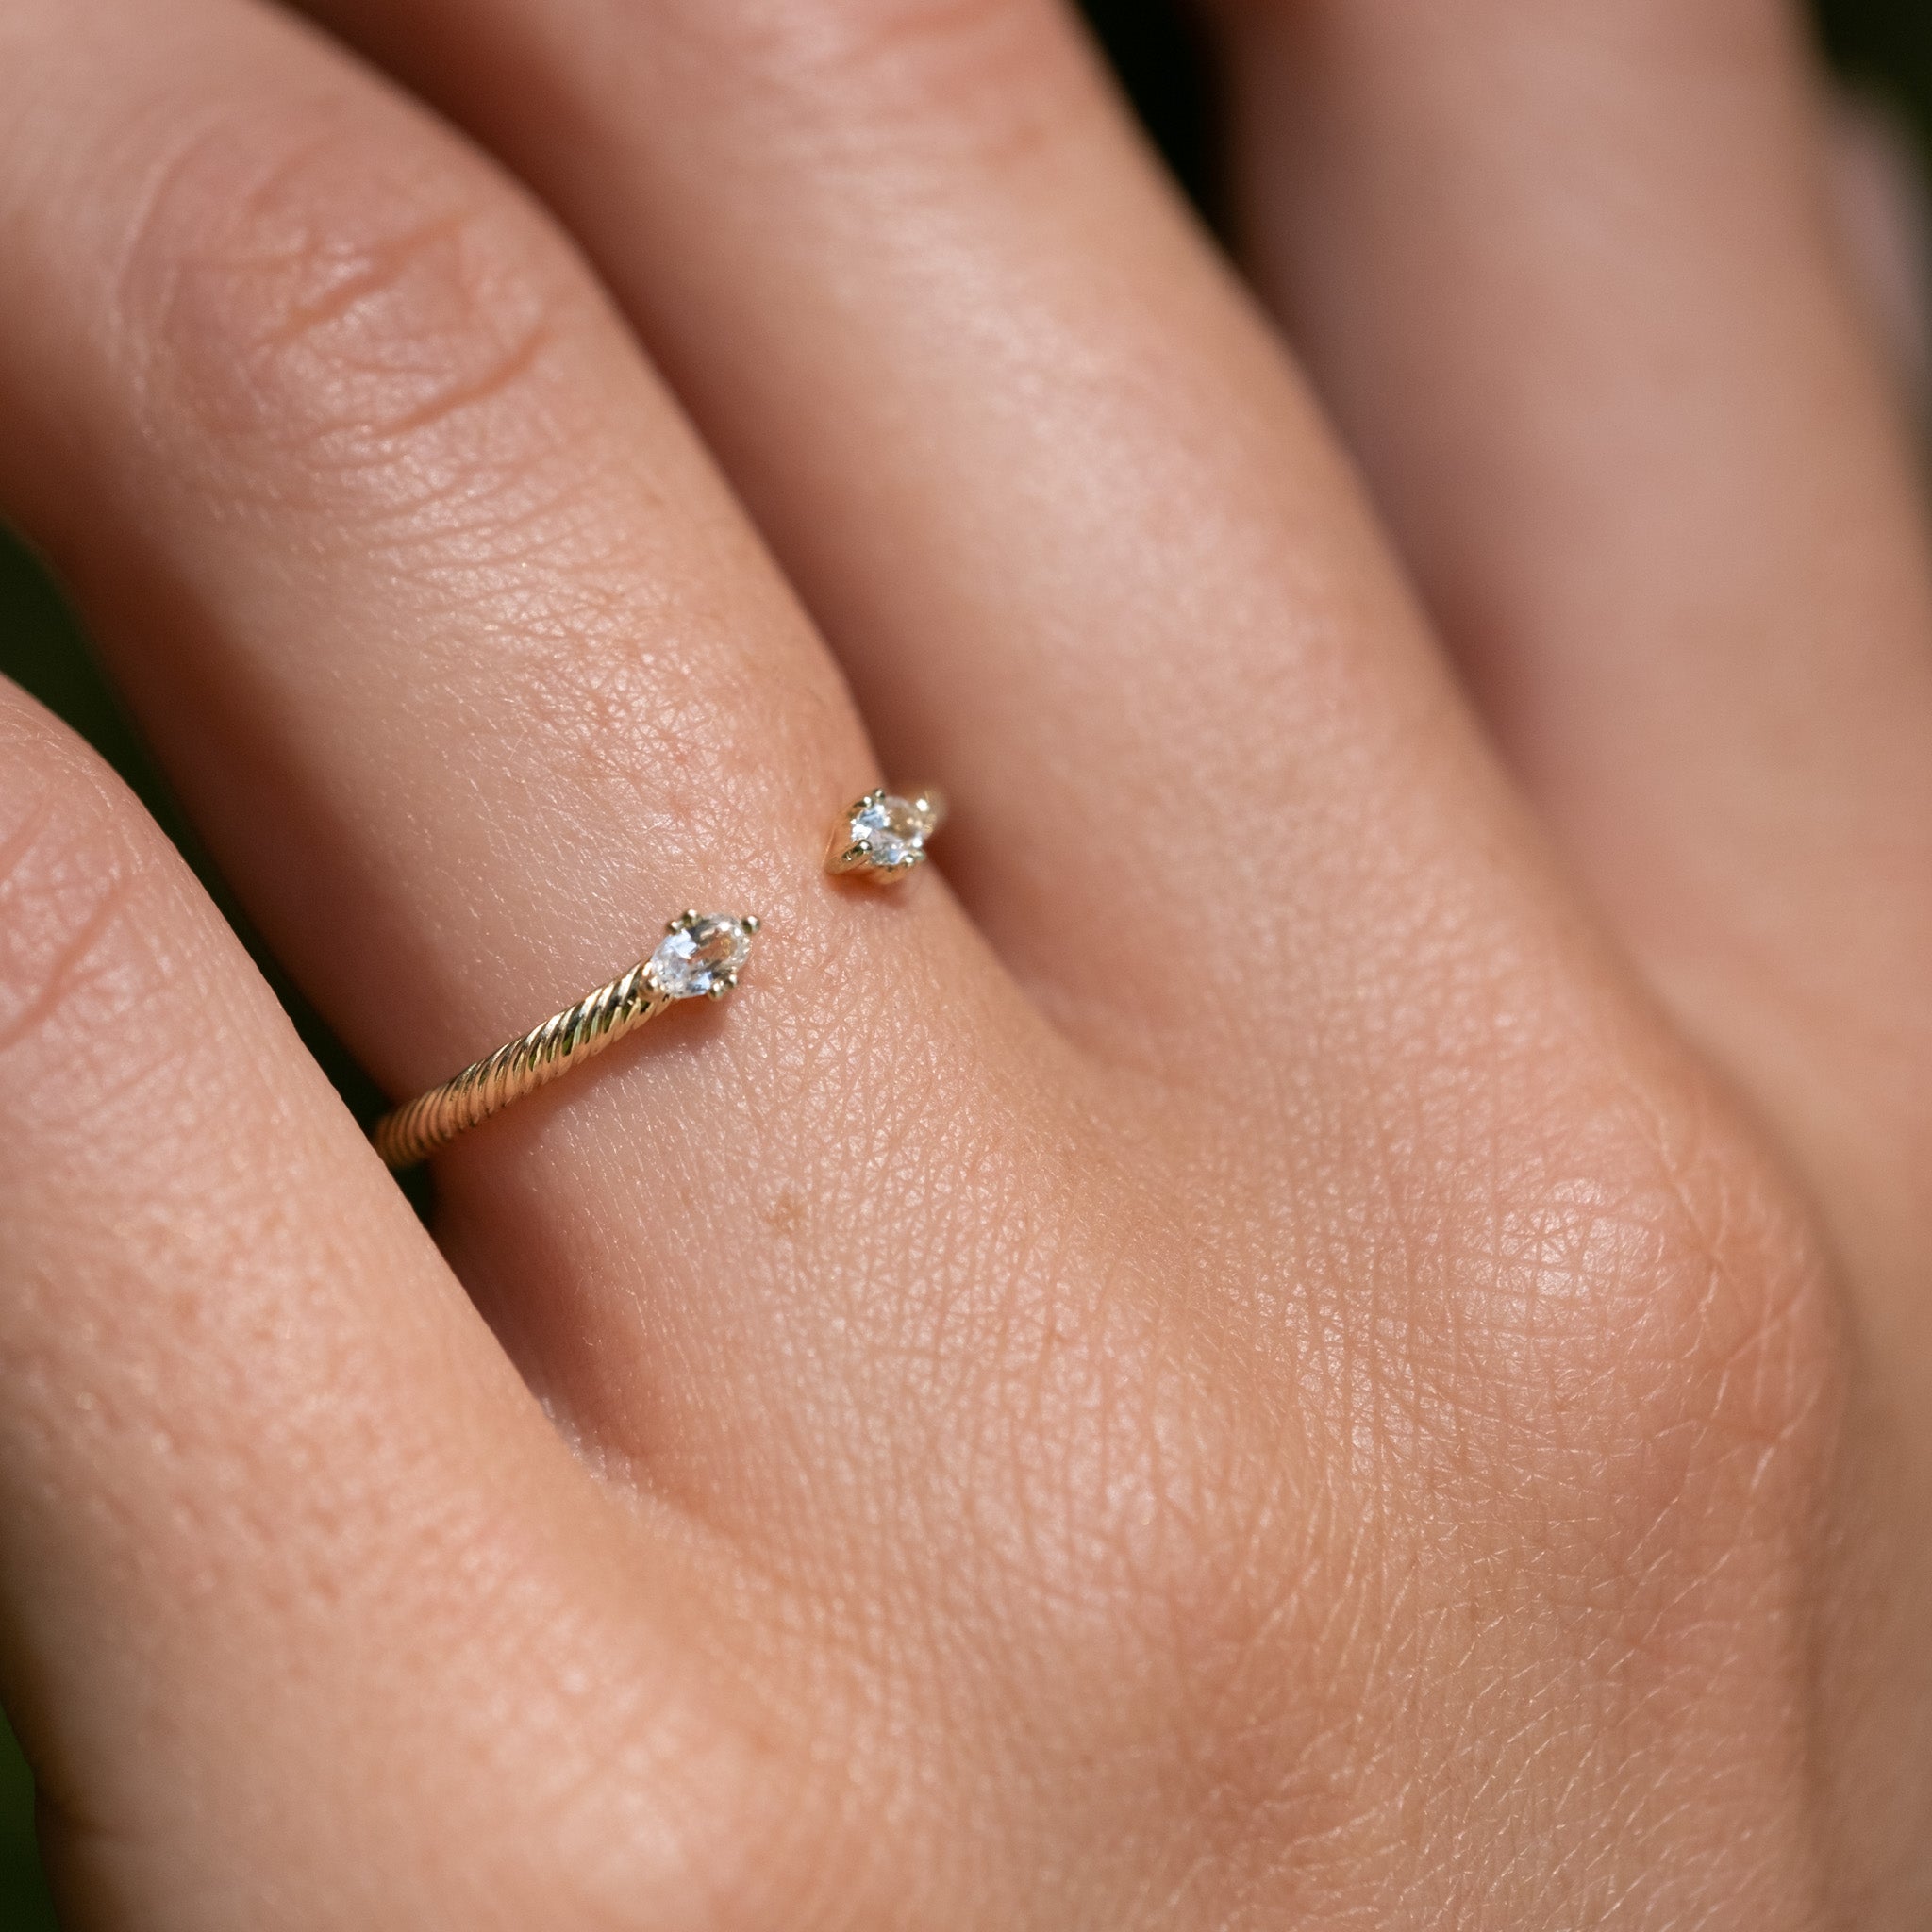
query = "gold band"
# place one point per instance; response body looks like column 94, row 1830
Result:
column 698, row 957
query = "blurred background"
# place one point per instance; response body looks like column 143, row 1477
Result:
column 1882, row 47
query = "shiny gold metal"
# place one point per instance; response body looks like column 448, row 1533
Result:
column 883, row 835
column 415, row 1131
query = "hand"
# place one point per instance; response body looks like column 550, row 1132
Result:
column 1331, row 1332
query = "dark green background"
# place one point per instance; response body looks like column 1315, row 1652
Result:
column 1885, row 44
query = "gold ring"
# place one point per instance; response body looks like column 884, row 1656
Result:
column 883, row 836
column 699, row 958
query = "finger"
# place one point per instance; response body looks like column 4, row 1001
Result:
column 1568, row 279
column 469, row 668
column 1083, row 546
column 275, row 1510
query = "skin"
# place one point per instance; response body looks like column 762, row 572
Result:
column 1330, row 1330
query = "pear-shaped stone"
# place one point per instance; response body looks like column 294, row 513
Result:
column 702, row 956
column 892, row 832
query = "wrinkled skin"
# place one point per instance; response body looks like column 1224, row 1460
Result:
column 1330, row 1330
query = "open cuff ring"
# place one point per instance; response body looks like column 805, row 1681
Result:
column 881, row 836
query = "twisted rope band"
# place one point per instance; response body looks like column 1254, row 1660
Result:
column 698, row 957
column 414, row 1132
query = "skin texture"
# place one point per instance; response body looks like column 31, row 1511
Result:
column 1330, row 1330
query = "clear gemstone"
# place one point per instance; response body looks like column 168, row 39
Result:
column 696, row 959
column 890, row 831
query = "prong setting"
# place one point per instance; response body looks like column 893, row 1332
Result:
column 882, row 836
column 700, row 956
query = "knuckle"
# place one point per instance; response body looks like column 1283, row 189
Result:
column 330, row 306
column 1685, row 1293
column 1655, row 1361
column 378, row 344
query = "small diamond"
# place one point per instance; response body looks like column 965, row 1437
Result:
column 700, row 956
column 892, row 832
column 883, row 837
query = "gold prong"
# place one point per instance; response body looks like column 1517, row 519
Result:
column 751, row 922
